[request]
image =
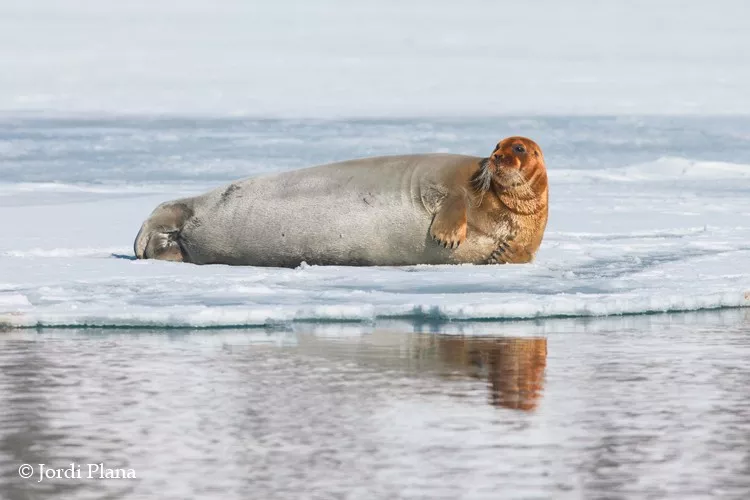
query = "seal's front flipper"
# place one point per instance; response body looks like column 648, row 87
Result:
column 508, row 252
column 503, row 254
column 449, row 225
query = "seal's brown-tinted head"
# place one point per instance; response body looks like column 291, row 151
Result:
column 518, row 161
column 515, row 162
column 516, row 173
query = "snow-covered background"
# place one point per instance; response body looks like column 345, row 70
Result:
column 297, row 58
column 108, row 108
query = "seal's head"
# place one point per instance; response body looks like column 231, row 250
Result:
column 515, row 162
column 515, row 172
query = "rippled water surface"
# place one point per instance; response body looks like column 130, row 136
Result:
column 630, row 407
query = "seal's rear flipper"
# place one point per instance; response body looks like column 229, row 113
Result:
column 159, row 237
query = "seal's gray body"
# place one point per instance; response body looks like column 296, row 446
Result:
column 374, row 211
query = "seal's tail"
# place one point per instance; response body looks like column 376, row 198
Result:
column 159, row 237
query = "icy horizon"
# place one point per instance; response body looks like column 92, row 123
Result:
column 337, row 59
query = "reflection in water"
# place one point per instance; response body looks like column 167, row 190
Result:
column 514, row 367
column 635, row 407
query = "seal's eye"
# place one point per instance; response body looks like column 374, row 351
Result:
column 518, row 148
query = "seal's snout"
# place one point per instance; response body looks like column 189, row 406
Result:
column 497, row 158
column 500, row 160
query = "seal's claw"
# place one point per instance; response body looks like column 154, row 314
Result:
column 504, row 253
column 450, row 238
column 449, row 242
column 496, row 258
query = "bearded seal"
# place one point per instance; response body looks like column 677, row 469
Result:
column 383, row 211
